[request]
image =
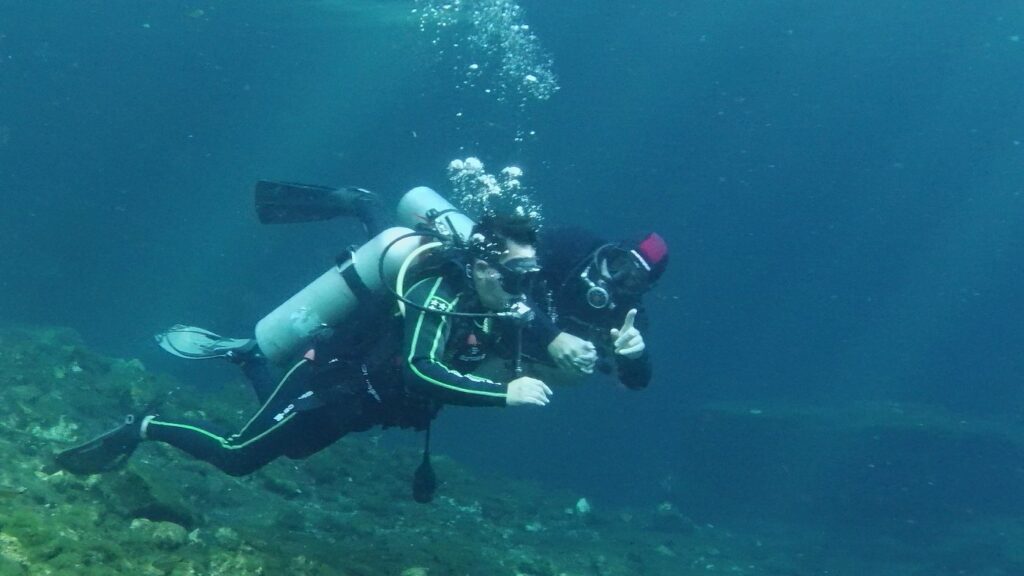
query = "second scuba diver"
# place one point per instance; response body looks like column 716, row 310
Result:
column 593, row 290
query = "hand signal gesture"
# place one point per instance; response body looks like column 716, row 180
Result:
column 628, row 341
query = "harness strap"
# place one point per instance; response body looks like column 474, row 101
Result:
column 356, row 284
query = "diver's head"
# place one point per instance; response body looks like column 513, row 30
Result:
column 622, row 272
column 505, row 259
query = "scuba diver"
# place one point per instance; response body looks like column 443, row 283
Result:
column 472, row 299
column 594, row 290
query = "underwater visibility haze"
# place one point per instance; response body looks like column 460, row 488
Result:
column 836, row 342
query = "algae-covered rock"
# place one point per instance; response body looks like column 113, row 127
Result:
column 242, row 562
column 169, row 535
column 133, row 495
column 667, row 518
column 283, row 486
column 12, row 551
column 62, row 431
column 187, row 568
column 344, row 511
column 165, row 535
column 11, row 568
column 227, row 538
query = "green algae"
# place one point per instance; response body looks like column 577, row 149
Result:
column 346, row 511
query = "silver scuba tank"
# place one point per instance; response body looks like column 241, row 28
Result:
column 329, row 300
column 417, row 205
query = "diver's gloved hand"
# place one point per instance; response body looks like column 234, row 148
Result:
column 526, row 390
column 572, row 353
column 628, row 341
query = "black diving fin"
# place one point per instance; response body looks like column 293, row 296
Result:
column 290, row 202
column 104, row 453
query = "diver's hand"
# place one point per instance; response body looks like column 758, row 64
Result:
column 572, row 353
column 526, row 390
column 628, row 341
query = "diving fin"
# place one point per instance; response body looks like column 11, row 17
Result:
column 194, row 343
column 289, row 202
column 104, row 453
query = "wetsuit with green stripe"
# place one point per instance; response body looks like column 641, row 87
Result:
column 442, row 351
column 312, row 405
column 352, row 386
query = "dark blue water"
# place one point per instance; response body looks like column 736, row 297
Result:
column 841, row 185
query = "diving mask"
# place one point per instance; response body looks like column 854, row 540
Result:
column 517, row 276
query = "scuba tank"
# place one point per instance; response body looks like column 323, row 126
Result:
column 371, row 271
column 421, row 206
column 327, row 301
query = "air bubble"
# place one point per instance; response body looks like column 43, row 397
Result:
column 493, row 31
column 478, row 193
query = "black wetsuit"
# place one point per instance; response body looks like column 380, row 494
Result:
column 316, row 401
column 564, row 253
column 443, row 351
column 374, row 378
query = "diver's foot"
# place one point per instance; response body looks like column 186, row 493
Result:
column 106, row 452
column 245, row 354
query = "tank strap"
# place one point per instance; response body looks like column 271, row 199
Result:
column 356, row 284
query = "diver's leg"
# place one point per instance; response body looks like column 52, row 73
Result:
column 267, row 435
column 257, row 370
column 235, row 456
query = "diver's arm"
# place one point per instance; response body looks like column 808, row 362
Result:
column 567, row 351
column 426, row 336
column 634, row 373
